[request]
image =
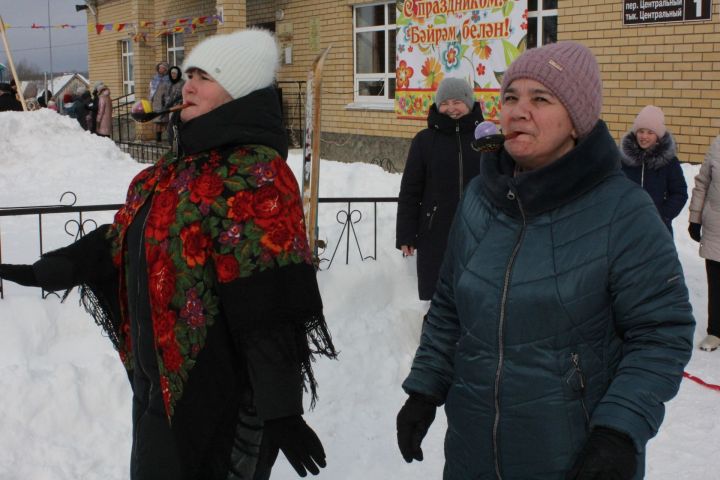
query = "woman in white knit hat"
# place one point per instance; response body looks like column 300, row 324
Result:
column 649, row 158
column 205, row 284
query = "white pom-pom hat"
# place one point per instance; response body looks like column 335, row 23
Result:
column 241, row 62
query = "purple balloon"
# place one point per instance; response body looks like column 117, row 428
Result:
column 485, row 129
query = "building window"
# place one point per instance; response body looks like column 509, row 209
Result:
column 374, row 31
column 175, row 47
column 127, row 61
column 542, row 22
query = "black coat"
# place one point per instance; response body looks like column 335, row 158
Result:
column 8, row 102
column 256, row 355
column 658, row 171
column 439, row 165
column 81, row 106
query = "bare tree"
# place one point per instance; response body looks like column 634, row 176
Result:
column 28, row 71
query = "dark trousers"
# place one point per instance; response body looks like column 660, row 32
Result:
column 154, row 454
column 713, row 279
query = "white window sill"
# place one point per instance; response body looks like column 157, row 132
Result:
column 371, row 106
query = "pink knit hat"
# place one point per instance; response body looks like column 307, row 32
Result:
column 652, row 118
column 569, row 70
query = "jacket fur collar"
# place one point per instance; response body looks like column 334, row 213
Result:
column 654, row 157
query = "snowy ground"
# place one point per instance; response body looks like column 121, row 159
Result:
column 65, row 410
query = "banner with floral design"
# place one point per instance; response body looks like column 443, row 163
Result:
column 471, row 39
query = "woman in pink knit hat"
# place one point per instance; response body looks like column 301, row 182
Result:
column 560, row 323
column 649, row 159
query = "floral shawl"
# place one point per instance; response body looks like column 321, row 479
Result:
column 216, row 216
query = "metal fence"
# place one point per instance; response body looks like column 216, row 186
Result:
column 292, row 98
column 350, row 221
column 75, row 228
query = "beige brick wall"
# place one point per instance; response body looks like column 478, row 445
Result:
column 335, row 28
column 104, row 50
column 674, row 66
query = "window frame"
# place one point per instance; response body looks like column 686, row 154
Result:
column 388, row 75
column 127, row 66
column 171, row 48
column 539, row 14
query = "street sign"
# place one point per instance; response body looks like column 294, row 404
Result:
column 644, row 12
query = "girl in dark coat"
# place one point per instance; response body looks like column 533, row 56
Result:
column 648, row 159
column 439, row 165
column 205, row 284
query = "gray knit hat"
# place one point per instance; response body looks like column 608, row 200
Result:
column 457, row 89
column 569, row 70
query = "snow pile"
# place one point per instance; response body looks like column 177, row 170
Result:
column 65, row 413
column 45, row 154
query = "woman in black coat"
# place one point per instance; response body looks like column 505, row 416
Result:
column 204, row 282
column 439, row 165
column 648, row 159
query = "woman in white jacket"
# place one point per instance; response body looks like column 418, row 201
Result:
column 705, row 228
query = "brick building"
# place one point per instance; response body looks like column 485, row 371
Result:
column 675, row 65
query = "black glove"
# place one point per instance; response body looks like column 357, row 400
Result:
column 607, row 455
column 413, row 422
column 21, row 274
column 694, row 231
column 298, row 442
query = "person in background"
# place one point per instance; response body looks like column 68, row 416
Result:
column 705, row 228
column 103, row 125
column 8, row 101
column 173, row 97
column 92, row 108
column 81, row 105
column 561, row 323
column 51, row 105
column 205, row 282
column 42, row 98
column 68, row 102
column 649, row 159
column 159, row 86
column 439, row 165
column 30, row 94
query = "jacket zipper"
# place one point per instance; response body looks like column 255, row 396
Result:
column 642, row 176
column 432, row 216
column 501, row 347
column 460, row 160
column 575, row 358
column 137, row 321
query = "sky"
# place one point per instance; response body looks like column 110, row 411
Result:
column 69, row 45
column 66, row 401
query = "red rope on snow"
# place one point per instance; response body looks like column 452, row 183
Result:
column 702, row 382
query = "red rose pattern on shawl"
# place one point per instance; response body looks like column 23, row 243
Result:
column 212, row 219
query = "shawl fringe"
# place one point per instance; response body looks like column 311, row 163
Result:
column 102, row 315
column 314, row 340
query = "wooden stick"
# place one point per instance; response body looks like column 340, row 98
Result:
column 12, row 65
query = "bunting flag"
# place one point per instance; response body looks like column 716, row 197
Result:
column 37, row 26
column 178, row 25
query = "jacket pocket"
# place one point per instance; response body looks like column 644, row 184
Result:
column 428, row 218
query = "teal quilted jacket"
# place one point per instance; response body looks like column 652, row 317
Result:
column 561, row 306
